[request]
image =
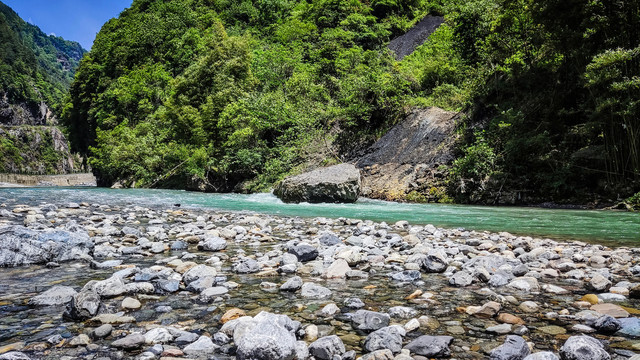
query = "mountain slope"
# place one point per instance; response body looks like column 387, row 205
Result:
column 36, row 72
column 223, row 95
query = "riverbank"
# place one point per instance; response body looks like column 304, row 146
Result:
column 125, row 281
column 80, row 179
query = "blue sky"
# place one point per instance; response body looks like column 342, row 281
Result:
column 77, row 20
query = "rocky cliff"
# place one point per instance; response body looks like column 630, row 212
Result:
column 36, row 150
column 37, row 70
column 407, row 161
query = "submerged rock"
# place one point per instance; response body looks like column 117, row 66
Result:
column 338, row 183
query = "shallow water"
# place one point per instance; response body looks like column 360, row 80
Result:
column 604, row 227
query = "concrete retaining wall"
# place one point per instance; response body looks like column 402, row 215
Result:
column 85, row 179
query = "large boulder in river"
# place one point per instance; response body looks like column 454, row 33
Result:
column 335, row 184
column 20, row 245
column 266, row 337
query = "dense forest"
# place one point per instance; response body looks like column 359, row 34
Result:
column 233, row 95
column 35, row 67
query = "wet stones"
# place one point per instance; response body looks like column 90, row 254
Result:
column 57, row 295
column 583, row 347
column 266, row 337
column 389, row 337
column 514, row 348
column 293, row 284
column 406, row 276
column 526, row 284
column 199, row 272
column 83, row 305
column 327, row 348
column 433, row 264
column 431, row 346
column 212, row 244
column 367, row 321
column 202, row 347
column 304, row 252
column 599, row 283
column 20, row 246
column 129, row 342
column 315, row 291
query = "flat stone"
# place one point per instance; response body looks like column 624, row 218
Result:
column 57, row 295
column 499, row 329
column 509, row 319
column 232, row 314
column 338, row 269
column 131, row 341
column 552, row 330
column 130, row 304
column 610, row 309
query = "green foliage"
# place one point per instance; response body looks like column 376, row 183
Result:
column 35, row 67
column 633, row 202
column 470, row 173
column 235, row 93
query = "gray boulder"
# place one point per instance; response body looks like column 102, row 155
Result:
column 326, row 348
column 202, row 347
column 131, row 341
column 199, row 272
column 433, row 264
column 292, row 284
column 514, row 348
column 406, row 275
column 336, row 184
column 246, row 266
column 461, row 278
column 366, row 320
column 583, row 347
column 266, row 337
column 389, row 337
column 83, row 305
column 22, row 246
column 213, row 244
column 431, row 346
column 304, row 252
column 607, row 324
column 57, row 295
column 14, row 355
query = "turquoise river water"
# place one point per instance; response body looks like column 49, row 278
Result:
column 604, row 227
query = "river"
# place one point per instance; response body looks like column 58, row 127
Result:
column 597, row 226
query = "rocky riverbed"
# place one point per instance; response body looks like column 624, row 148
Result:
column 95, row 281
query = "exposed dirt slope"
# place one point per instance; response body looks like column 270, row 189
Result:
column 406, row 44
column 408, row 157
